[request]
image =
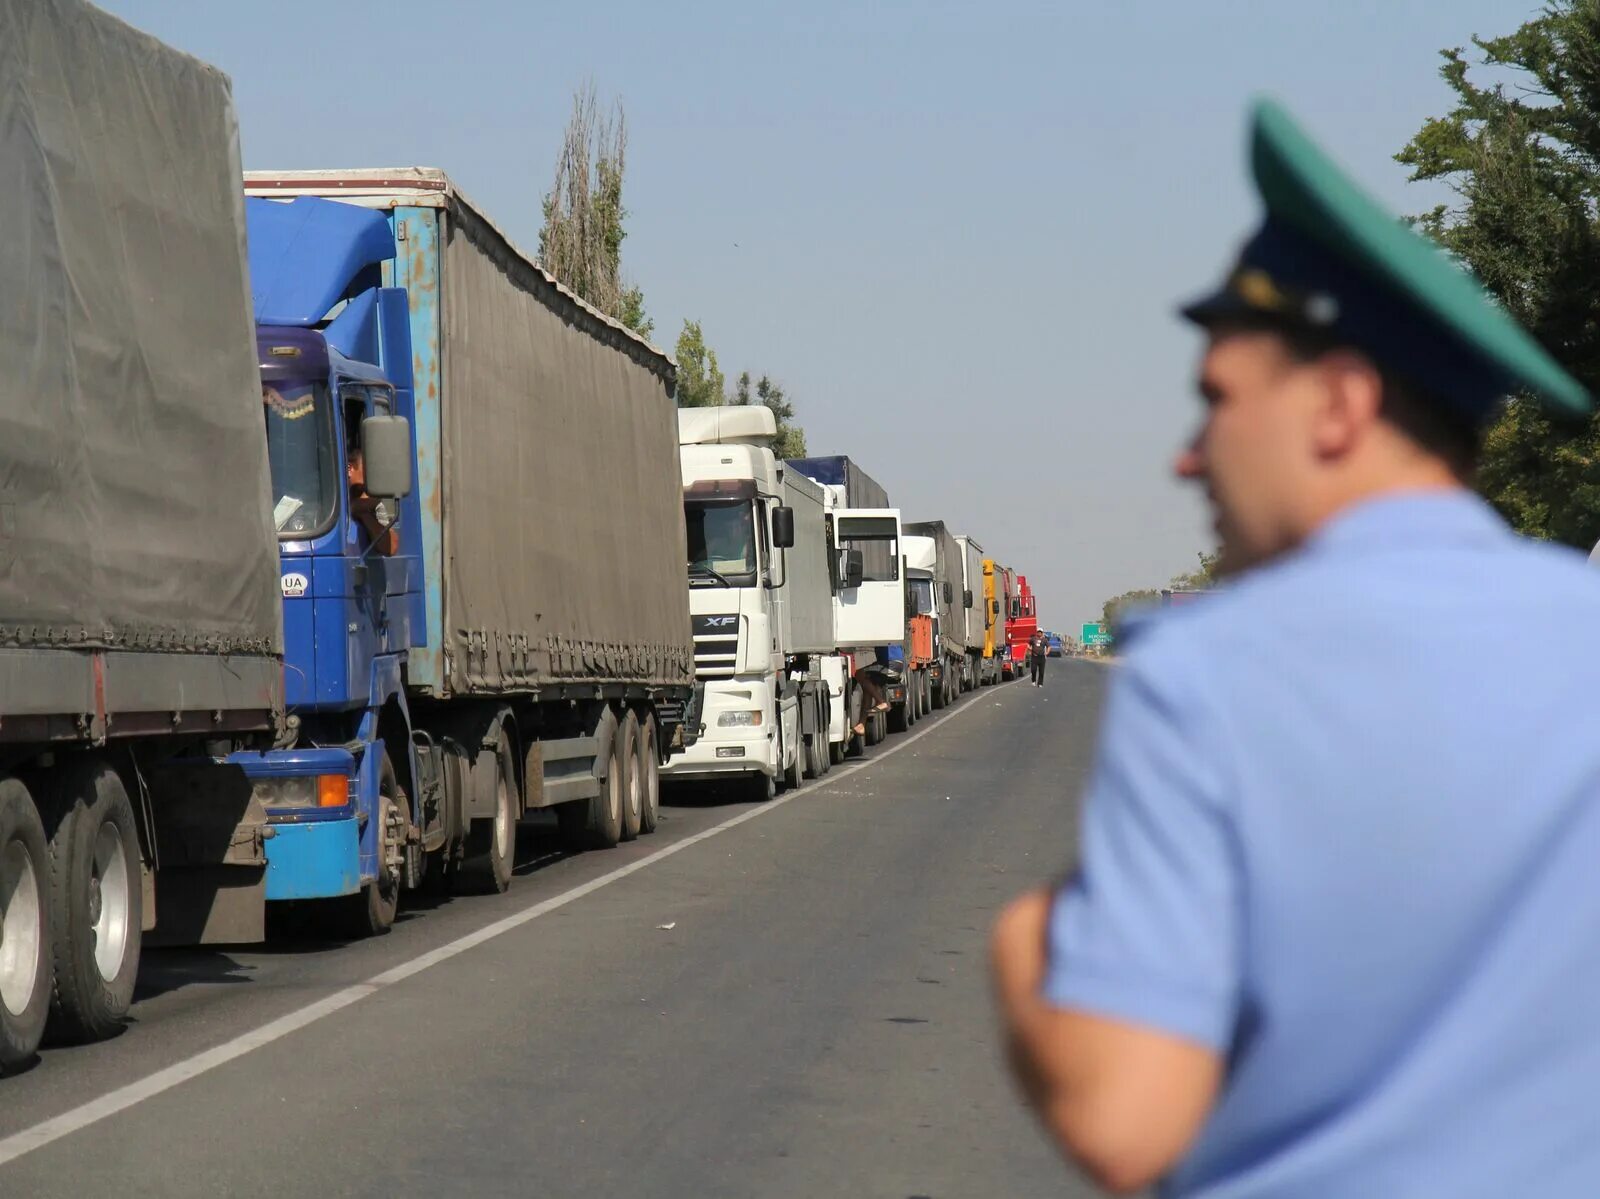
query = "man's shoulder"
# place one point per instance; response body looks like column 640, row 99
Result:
column 1514, row 574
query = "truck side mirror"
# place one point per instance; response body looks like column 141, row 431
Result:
column 783, row 527
column 386, row 449
column 855, row 568
column 949, row 593
column 966, row 598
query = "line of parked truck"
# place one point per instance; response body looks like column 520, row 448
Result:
column 446, row 589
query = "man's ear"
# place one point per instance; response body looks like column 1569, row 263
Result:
column 1349, row 403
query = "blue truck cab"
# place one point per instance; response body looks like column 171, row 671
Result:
column 335, row 357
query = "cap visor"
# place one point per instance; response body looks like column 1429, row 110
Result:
column 1215, row 306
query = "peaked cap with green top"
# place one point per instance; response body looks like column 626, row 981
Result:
column 1328, row 258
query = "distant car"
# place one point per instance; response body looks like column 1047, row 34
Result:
column 1055, row 645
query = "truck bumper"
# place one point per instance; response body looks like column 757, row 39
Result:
column 313, row 840
column 718, row 755
column 317, row 860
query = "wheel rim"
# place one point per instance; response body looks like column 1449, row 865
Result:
column 389, row 840
column 21, row 931
column 635, row 794
column 109, row 901
column 614, row 788
column 652, row 772
column 502, row 818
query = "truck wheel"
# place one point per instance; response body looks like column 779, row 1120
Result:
column 813, row 766
column 794, row 774
column 649, row 768
column 24, row 927
column 760, row 788
column 491, row 844
column 370, row 912
column 940, row 695
column 632, row 783
column 899, row 716
column 96, row 901
column 596, row 823
column 837, row 750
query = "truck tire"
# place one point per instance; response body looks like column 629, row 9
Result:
column 491, row 844
column 794, row 773
column 837, row 751
column 24, row 927
column 596, row 823
column 649, row 767
column 760, row 788
column 370, row 912
column 632, row 781
column 96, row 901
column 940, row 698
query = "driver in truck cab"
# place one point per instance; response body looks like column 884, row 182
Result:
column 364, row 509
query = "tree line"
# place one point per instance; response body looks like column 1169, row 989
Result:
column 580, row 243
column 1199, row 579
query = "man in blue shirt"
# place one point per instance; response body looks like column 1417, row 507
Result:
column 1335, row 929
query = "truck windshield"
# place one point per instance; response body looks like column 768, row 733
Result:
column 305, row 483
column 722, row 541
column 921, row 596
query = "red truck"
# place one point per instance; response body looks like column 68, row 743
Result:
column 1022, row 622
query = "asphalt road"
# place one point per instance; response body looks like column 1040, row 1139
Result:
column 793, row 1005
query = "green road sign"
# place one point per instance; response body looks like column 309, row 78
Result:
column 1096, row 636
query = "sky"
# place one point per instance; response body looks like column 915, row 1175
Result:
column 954, row 232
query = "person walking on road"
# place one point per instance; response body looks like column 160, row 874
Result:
column 1038, row 651
column 1333, row 927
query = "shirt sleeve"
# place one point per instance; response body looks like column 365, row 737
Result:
column 1148, row 930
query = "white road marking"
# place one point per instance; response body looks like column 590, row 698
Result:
column 39, row 1135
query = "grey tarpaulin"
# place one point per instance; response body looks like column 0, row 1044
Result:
column 563, row 514
column 133, row 469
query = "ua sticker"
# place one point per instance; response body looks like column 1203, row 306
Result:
column 294, row 585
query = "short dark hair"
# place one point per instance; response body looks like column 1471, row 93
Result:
column 1430, row 422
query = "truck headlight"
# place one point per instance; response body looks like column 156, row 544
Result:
column 739, row 720
column 307, row 791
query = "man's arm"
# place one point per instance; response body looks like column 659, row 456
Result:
column 1121, row 990
column 1123, row 1101
column 385, row 541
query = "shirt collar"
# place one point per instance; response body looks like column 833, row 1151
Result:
column 1408, row 518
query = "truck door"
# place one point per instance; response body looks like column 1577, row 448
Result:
column 872, row 612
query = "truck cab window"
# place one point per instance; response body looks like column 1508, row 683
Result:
column 878, row 540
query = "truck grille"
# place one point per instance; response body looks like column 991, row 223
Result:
column 716, row 654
